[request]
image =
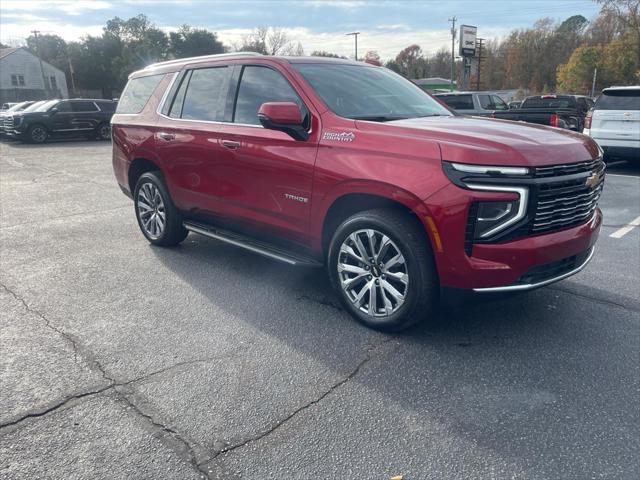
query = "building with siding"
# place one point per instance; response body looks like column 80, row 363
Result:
column 21, row 77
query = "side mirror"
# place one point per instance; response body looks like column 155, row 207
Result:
column 283, row 116
column 54, row 110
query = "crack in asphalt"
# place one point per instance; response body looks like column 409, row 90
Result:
column 193, row 460
column 329, row 391
column 112, row 385
column 595, row 300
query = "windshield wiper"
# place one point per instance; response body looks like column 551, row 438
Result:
column 378, row 118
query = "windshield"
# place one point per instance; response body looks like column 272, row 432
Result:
column 46, row 105
column 369, row 93
column 16, row 107
column 35, row 107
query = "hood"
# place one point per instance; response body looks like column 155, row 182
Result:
column 486, row 141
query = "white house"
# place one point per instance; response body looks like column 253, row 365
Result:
column 22, row 78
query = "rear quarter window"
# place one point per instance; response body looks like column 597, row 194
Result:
column 619, row 100
column 137, row 93
column 458, row 102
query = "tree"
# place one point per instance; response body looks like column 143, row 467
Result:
column 372, row 58
column 628, row 13
column 411, row 63
column 322, row 53
column 267, row 41
column 576, row 75
column 192, row 42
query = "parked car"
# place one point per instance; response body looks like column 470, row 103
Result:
column 315, row 161
column 614, row 122
column 56, row 118
column 16, row 107
column 480, row 104
column 515, row 104
column 7, row 106
column 562, row 111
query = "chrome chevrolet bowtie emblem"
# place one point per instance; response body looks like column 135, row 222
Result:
column 592, row 181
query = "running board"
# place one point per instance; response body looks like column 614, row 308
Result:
column 256, row 246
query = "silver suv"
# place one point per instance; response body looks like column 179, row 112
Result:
column 614, row 122
column 481, row 104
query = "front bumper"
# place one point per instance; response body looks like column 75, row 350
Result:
column 509, row 264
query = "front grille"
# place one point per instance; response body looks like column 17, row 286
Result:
column 551, row 270
column 565, row 203
column 8, row 123
column 567, row 169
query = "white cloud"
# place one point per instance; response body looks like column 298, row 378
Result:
column 16, row 33
column 70, row 7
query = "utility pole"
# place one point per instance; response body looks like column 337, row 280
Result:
column 39, row 50
column 355, row 36
column 479, row 48
column 453, row 50
column 593, row 83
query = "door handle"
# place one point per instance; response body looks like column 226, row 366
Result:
column 166, row 136
column 230, row 144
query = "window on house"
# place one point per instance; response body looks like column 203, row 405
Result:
column 53, row 82
column 17, row 80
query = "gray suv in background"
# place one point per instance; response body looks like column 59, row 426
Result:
column 614, row 122
column 473, row 103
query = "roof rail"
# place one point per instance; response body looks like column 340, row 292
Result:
column 200, row 58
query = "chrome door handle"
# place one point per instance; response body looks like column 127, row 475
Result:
column 230, row 144
column 166, row 136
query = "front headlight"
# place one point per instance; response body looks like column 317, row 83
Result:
column 490, row 216
column 493, row 217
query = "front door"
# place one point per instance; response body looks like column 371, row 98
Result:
column 266, row 176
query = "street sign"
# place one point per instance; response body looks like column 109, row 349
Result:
column 468, row 35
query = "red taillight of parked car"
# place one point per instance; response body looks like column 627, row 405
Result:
column 587, row 119
column 553, row 121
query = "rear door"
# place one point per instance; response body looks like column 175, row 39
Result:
column 267, row 175
column 616, row 116
column 85, row 116
column 188, row 141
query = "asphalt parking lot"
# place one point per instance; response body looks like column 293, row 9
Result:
column 120, row 360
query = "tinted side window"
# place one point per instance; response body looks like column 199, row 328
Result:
column 485, row 102
column 137, row 93
column 206, row 94
column 83, row 107
column 458, row 102
column 498, row 103
column 107, row 106
column 259, row 85
column 176, row 107
column 63, row 107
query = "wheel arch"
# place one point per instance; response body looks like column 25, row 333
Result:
column 139, row 166
column 363, row 197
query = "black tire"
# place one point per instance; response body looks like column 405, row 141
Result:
column 421, row 294
column 173, row 231
column 103, row 131
column 37, row 134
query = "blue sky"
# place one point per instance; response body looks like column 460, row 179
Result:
column 385, row 25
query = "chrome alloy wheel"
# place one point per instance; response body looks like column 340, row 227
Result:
column 373, row 272
column 153, row 216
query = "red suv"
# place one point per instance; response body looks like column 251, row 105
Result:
column 315, row 161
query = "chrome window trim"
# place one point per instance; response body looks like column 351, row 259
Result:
column 464, row 167
column 530, row 286
column 213, row 122
column 523, row 192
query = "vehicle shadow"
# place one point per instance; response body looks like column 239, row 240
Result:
column 492, row 364
column 71, row 142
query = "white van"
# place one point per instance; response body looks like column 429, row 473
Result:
column 614, row 122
